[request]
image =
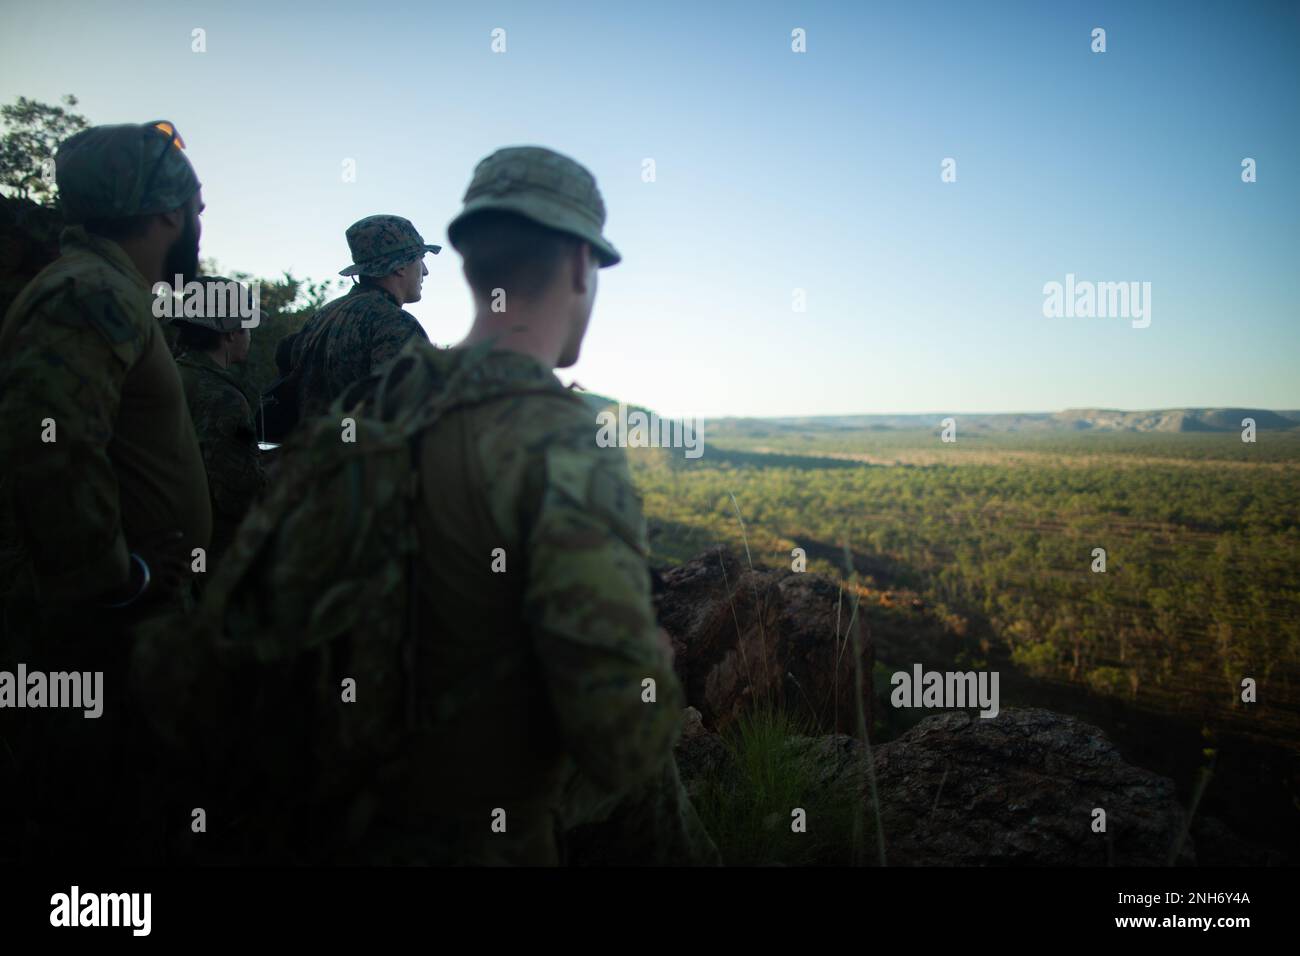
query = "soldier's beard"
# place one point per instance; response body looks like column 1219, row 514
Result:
column 183, row 255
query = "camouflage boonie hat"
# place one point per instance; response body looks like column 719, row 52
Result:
column 542, row 185
column 379, row 244
column 111, row 172
column 227, row 317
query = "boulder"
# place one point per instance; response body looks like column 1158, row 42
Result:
column 1021, row 789
column 773, row 637
column 1018, row 789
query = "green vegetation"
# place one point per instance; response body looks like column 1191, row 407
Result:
column 991, row 541
column 33, row 131
column 879, row 445
column 771, row 769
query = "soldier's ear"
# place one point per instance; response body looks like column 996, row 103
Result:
column 173, row 220
column 580, row 266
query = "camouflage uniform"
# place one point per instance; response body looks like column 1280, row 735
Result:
column 81, row 346
column 357, row 333
column 81, row 352
column 536, row 670
column 223, row 420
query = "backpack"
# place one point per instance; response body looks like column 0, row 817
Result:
column 277, row 409
column 317, row 589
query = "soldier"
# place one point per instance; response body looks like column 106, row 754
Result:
column 535, row 633
column 357, row 333
column 104, row 473
column 223, row 418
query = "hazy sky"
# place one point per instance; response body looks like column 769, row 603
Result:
column 775, row 171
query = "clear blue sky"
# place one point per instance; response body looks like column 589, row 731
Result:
column 775, row 171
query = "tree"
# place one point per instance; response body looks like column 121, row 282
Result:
column 33, row 132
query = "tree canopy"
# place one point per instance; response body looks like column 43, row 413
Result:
column 33, row 131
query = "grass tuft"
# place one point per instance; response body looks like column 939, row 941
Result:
column 748, row 807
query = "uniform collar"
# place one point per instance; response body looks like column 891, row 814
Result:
column 200, row 360
column 77, row 239
column 360, row 289
column 206, row 363
column 507, row 365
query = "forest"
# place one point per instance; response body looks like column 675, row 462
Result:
column 992, row 542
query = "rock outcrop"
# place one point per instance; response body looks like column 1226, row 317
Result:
column 774, row 637
column 1022, row 788
column 1019, row 789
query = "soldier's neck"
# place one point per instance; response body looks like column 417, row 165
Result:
column 147, row 257
column 523, row 331
column 393, row 286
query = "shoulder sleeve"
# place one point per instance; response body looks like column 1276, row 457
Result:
column 62, row 387
column 392, row 332
column 588, row 604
